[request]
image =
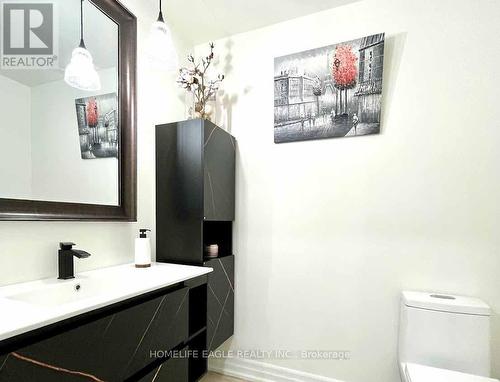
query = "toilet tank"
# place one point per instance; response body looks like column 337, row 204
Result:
column 445, row 331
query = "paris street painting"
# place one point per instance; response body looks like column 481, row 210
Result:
column 98, row 126
column 329, row 92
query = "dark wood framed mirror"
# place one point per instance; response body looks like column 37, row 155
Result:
column 121, row 206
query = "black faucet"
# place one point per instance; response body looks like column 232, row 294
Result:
column 66, row 266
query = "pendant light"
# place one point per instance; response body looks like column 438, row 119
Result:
column 160, row 49
column 80, row 72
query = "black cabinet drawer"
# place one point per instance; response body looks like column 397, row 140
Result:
column 220, row 301
column 168, row 328
column 110, row 349
column 173, row 370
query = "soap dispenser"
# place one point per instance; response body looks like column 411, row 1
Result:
column 143, row 249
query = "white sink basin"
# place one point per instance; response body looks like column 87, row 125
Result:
column 67, row 292
column 32, row 305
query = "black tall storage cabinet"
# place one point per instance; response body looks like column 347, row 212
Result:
column 195, row 198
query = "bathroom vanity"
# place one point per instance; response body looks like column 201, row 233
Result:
column 76, row 160
column 114, row 324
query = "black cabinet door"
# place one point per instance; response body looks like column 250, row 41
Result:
column 220, row 302
column 179, row 192
column 108, row 349
column 218, row 173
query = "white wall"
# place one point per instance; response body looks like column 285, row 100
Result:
column 329, row 232
column 15, row 138
column 58, row 171
column 28, row 250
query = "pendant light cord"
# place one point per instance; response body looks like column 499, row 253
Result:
column 82, row 43
column 160, row 15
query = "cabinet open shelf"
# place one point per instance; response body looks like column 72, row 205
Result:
column 206, row 258
column 219, row 233
column 197, row 361
column 198, row 304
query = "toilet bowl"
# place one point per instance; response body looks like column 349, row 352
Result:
column 436, row 335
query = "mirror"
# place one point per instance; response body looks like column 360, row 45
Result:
column 68, row 153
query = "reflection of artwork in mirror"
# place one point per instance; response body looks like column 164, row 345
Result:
column 98, row 126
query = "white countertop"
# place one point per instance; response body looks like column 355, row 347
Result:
column 33, row 305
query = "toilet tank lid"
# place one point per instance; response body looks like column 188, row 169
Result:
column 446, row 303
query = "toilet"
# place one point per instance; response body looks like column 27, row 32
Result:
column 444, row 338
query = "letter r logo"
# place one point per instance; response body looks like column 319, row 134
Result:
column 28, row 29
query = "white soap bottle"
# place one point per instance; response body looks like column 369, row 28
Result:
column 143, row 249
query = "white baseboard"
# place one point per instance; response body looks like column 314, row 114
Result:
column 256, row 371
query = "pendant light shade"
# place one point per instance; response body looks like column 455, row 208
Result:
column 80, row 72
column 160, row 49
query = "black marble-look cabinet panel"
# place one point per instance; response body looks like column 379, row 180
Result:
column 218, row 173
column 195, row 183
column 111, row 348
column 220, row 301
column 173, row 370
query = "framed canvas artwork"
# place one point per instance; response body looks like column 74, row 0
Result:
column 329, row 92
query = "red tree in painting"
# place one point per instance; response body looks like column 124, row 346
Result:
column 344, row 71
column 92, row 113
